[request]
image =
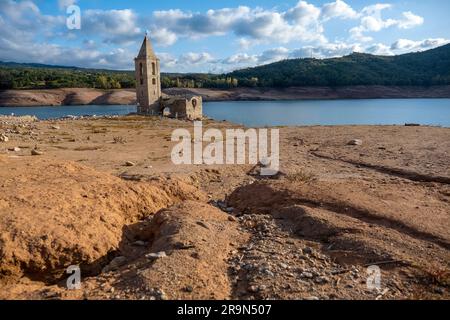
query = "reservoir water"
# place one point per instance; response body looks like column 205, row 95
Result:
column 434, row 112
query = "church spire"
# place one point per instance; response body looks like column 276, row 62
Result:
column 147, row 49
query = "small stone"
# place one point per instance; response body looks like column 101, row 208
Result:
column 188, row 289
column 159, row 294
column 55, row 127
column 355, row 142
column 312, row 298
column 140, row 243
column 202, row 224
column 308, row 250
column 35, row 152
column 322, row 280
column 283, row 266
column 307, row 275
column 231, row 218
column 155, row 256
column 229, row 209
column 3, row 138
column 15, row 149
column 253, row 289
column 130, row 164
column 115, row 264
column 439, row 290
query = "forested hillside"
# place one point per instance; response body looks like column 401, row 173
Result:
column 427, row 68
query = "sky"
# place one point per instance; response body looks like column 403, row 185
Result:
column 215, row 36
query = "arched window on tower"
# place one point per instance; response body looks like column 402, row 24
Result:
column 153, row 68
column 141, row 73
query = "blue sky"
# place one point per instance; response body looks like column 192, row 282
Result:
column 217, row 36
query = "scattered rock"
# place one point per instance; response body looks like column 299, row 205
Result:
column 155, row 256
column 202, row 224
column 3, row 138
column 322, row 280
column 439, row 290
column 355, row 142
column 308, row 250
column 140, row 243
column 253, row 289
column 115, row 264
column 231, row 218
column 262, row 287
column 55, row 127
column 188, row 289
column 15, row 149
column 130, row 164
column 307, row 275
column 35, row 152
column 161, row 295
column 312, row 298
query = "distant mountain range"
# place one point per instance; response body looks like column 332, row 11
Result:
column 426, row 68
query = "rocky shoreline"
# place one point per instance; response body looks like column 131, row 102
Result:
column 84, row 96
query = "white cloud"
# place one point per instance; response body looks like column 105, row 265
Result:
column 379, row 49
column 163, row 37
column 405, row 45
column 241, row 58
column 410, row 20
column 111, row 38
column 115, row 26
column 193, row 58
column 372, row 21
column 300, row 23
column 338, row 9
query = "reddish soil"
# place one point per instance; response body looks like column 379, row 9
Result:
column 103, row 194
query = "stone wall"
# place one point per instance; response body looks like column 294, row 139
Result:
column 184, row 108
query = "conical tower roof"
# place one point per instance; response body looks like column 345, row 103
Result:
column 147, row 49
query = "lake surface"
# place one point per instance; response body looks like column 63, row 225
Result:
column 276, row 113
column 333, row 112
column 62, row 111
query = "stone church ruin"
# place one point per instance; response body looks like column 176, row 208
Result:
column 150, row 100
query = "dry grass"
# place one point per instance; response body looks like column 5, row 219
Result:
column 87, row 148
column 119, row 139
column 301, row 176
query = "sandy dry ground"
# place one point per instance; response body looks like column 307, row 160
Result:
column 57, row 97
column 104, row 194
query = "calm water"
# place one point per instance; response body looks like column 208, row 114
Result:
column 62, row 111
column 323, row 112
column 333, row 112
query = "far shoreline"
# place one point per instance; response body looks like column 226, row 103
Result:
column 86, row 96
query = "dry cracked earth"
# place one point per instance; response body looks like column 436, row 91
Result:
column 102, row 193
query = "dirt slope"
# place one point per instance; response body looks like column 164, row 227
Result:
column 77, row 218
column 83, row 96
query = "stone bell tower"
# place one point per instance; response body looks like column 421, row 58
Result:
column 148, row 79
